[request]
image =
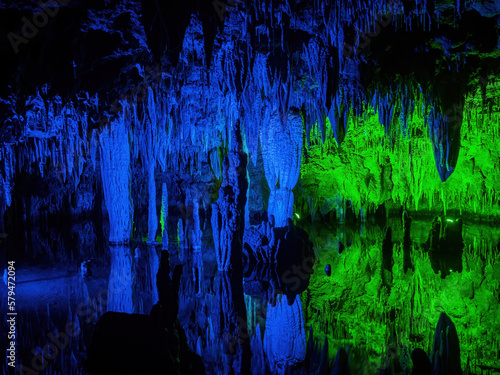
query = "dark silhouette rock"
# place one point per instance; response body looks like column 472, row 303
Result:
column 286, row 245
column 407, row 265
column 446, row 349
column 387, row 257
column 324, row 363
column 341, row 366
column 269, row 280
column 421, row 363
column 445, row 245
column 341, row 247
column 145, row 344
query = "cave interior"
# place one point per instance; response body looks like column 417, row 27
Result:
column 250, row 186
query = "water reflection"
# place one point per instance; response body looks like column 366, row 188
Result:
column 120, row 284
column 371, row 313
column 285, row 336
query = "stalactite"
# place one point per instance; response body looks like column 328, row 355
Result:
column 444, row 131
column 198, row 271
column 282, row 152
column 116, row 177
column 152, row 143
column 181, row 235
column 254, row 110
column 215, row 163
column 152, row 217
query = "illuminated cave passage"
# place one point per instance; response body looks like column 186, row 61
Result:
column 251, row 187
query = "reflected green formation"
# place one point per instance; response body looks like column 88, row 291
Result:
column 384, row 323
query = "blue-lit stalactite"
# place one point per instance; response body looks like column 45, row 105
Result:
column 151, row 143
column 282, row 152
column 444, row 131
column 152, row 217
column 183, row 245
column 164, row 216
column 116, row 177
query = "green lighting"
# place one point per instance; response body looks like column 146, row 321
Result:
column 367, row 170
column 298, row 217
column 450, row 220
column 355, row 299
column 161, row 218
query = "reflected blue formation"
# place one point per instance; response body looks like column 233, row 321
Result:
column 285, row 336
column 120, row 280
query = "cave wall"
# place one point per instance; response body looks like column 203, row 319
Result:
column 397, row 103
